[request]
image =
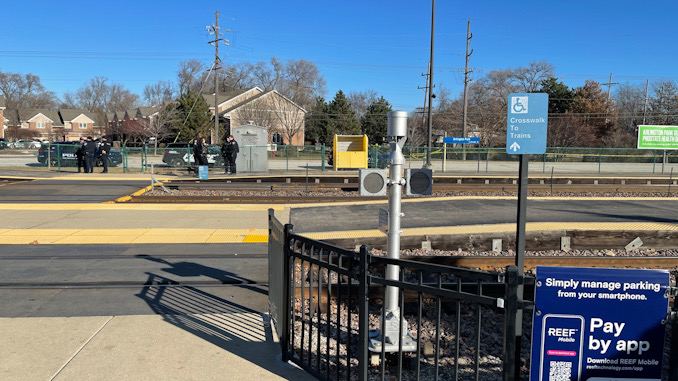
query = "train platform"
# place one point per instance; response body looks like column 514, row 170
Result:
column 195, row 333
column 232, row 345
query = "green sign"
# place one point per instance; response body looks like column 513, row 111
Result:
column 658, row 137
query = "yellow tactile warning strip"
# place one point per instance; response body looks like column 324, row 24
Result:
column 133, row 206
column 131, row 236
column 165, row 236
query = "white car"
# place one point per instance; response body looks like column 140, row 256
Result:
column 27, row 143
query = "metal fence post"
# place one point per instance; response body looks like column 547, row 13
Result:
column 487, row 159
column 654, row 159
column 322, row 159
column 287, row 299
column 673, row 349
column 600, row 158
column 58, row 157
column 124, row 159
column 287, row 157
column 363, row 309
column 510, row 309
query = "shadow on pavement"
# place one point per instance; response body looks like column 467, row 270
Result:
column 192, row 269
column 237, row 329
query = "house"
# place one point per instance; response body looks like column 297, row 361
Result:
column 283, row 118
column 78, row 123
column 43, row 124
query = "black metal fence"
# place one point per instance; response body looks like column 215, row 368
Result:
column 326, row 303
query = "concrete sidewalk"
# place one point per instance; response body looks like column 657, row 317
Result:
column 234, row 345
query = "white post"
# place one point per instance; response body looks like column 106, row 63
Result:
column 444, row 152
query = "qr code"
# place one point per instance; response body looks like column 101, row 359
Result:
column 560, row 371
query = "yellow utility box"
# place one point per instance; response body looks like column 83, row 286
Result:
column 350, row 151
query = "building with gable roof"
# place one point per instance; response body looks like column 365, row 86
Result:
column 44, row 124
column 283, row 118
column 79, row 123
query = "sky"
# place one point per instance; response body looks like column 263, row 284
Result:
column 357, row 45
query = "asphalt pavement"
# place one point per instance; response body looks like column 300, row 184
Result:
column 478, row 211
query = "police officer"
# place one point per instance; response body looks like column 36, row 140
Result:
column 90, row 151
column 229, row 151
column 198, row 152
column 104, row 151
column 80, row 154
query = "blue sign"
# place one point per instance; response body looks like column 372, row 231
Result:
column 452, row 140
column 526, row 123
column 598, row 324
column 203, row 171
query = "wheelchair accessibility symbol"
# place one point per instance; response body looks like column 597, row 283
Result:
column 519, row 105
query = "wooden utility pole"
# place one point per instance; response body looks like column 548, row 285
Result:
column 647, row 90
column 609, row 86
column 426, row 89
column 469, row 36
column 214, row 30
column 430, row 92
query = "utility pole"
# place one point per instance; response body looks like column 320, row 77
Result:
column 426, row 90
column 609, row 86
column 647, row 90
column 214, row 30
column 430, row 81
column 469, row 36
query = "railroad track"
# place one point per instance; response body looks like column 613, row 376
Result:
column 475, row 262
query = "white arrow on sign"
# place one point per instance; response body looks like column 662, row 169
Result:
column 515, row 147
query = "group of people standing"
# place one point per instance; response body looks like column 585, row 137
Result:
column 88, row 151
column 229, row 152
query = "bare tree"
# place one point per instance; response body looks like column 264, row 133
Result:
column 630, row 102
column 157, row 93
column 663, row 104
column 302, row 82
column 258, row 112
column 298, row 80
column 361, row 100
column 529, row 79
column 289, row 118
column 189, row 76
column 23, row 92
column 159, row 126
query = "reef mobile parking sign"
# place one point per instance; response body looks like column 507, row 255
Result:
column 526, row 123
column 598, row 324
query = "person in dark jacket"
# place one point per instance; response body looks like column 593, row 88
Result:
column 229, row 151
column 90, row 151
column 104, row 151
column 196, row 145
column 80, row 155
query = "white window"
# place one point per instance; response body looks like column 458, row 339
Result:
column 40, row 125
column 82, row 126
column 276, row 138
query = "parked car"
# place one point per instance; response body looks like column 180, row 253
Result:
column 68, row 157
column 3, row 143
column 27, row 143
column 181, row 155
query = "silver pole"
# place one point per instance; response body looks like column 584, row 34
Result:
column 397, row 135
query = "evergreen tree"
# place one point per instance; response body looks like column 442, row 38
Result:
column 198, row 121
column 342, row 117
column 318, row 126
column 560, row 96
column 374, row 122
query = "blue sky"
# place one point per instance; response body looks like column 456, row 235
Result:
column 357, row 45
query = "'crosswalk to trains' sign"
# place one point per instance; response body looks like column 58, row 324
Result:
column 526, row 120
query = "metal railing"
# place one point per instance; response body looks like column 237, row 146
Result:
column 326, row 303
